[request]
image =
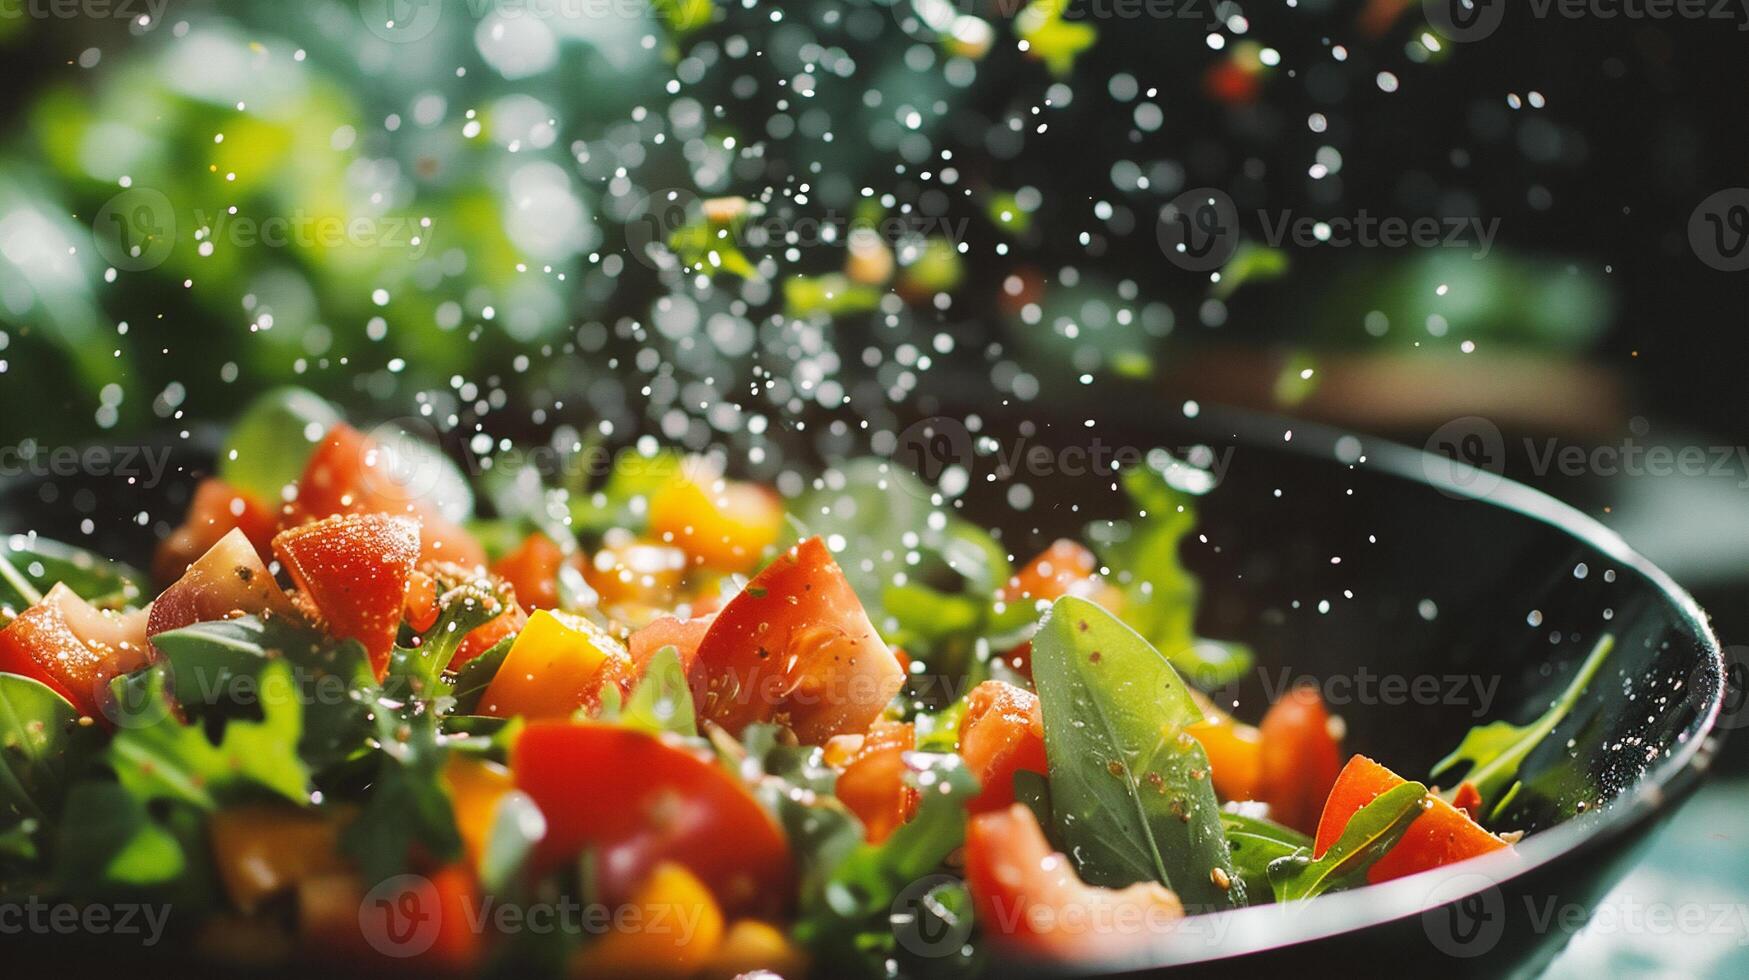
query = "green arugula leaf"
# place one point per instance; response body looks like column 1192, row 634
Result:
column 1370, row 834
column 1160, row 595
column 155, row 756
column 217, row 670
column 1495, row 751
column 417, row 672
column 109, row 838
column 30, row 565
column 1256, row 843
column 1129, row 786
column 41, row 747
column 476, row 675
column 18, row 842
column 849, row 920
column 662, row 701
column 517, row 827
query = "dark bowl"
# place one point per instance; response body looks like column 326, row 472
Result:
column 1339, row 558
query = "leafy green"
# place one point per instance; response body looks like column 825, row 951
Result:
column 1160, row 595
column 662, row 701
column 465, row 606
column 794, row 784
column 41, row 744
column 109, row 837
column 30, row 565
column 217, row 671
column 1495, row 751
column 156, row 757
column 271, row 442
column 470, row 683
column 1255, row 843
column 517, row 827
column 1129, row 786
column 848, row 921
column 1371, row 832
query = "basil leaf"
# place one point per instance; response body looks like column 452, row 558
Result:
column 1129, row 786
column 155, row 756
column 30, row 565
column 1369, row 835
column 1495, row 751
column 1255, row 843
column 1160, row 594
column 41, row 744
column 662, row 701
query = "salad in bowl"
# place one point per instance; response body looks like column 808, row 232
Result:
column 659, row 721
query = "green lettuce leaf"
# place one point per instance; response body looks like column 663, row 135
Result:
column 1370, row 834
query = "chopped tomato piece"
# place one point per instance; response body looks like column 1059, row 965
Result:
column 1442, row 835
column 533, row 571
column 1468, row 799
column 630, row 572
column 229, row 578
column 1235, row 753
column 74, row 649
column 507, row 623
column 674, row 925
column 1029, row 897
column 796, row 647
column 1300, row 758
column 558, row 663
column 420, row 607
column 872, row 780
column 722, row 524
column 349, row 474
column 1064, row 568
column 217, row 509
column 1003, row 732
column 354, row 570
column 684, row 635
column 639, row 800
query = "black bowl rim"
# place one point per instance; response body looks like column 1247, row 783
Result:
column 1248, row 931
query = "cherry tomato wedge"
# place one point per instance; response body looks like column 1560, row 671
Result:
column 533, row 571
column 638, row 800
column 349, row 474
column 1003, row 732
column 229, row 578
column 355, row 569
column 1064, row 568
column 1300, row 758
column 796, row 647
column 1441, row 836
column 73, row 648
column 684, row 635
column 1029, row 897
column 872, row 781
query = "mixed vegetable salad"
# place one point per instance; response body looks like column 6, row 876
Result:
column 693, row 727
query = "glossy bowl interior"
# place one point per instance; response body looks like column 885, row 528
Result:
column 1340, row 558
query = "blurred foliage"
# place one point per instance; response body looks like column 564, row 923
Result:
column 678, row 216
